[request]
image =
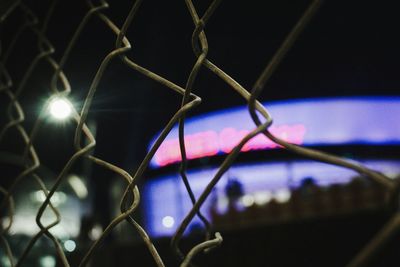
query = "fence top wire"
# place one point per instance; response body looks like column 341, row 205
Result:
column 84, row 138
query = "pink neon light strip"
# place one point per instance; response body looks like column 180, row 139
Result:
column 210, row 143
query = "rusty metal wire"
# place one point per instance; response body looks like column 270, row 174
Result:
column 84, row 140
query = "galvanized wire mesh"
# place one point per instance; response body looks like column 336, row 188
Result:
column 84, row 140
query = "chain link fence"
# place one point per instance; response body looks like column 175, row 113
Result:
column 15, row 116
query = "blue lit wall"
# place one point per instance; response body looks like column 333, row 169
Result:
column 333, row 121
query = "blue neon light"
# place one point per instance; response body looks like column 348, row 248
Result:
column 322, row 121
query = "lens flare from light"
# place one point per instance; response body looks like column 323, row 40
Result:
column 60, row 108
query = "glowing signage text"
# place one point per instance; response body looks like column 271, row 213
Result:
column 210, row 143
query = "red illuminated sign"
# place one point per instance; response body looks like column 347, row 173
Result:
column 210, row 143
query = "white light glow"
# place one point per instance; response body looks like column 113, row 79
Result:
column 5, row 221
column 47, row 261
column 78, row 186
column 222, row 203
column 4, row 261
column 262, row 198
column 282, row 195
column 57, row 198
column 247, row 200
column 95, row 232
column 60, row 108
column 69, row 245
column 168, row 221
